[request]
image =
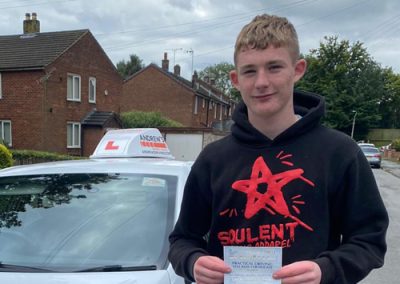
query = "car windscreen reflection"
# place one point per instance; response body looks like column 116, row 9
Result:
column 73, row 222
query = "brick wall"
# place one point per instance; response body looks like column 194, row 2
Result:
column 151, row 90
column 22, row 104
column 392, row 155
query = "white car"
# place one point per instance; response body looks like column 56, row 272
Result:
column 366, row 145
column 100, row 220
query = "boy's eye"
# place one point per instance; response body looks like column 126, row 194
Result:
column 248, row 71
column 275, row 67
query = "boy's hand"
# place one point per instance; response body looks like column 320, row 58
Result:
column 210, row 270
column 304, row 272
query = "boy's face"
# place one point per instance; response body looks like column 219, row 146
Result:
column 265, row 79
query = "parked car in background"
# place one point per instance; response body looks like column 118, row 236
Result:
column 373, row 155
column 103, row 220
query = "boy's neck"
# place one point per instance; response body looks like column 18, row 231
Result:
column 271, row 127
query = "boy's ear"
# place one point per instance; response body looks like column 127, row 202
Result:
column 299, row 69
column 233, row 75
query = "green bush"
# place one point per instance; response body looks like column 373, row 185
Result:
column 6, row 158
column 140, row 119
column 29, row 156
column 396, row 144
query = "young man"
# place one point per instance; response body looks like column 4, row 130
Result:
column 280, row 178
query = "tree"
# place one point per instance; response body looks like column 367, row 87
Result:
column 126, row 69
column 389, row 106
column 349, row 80
column 220, row 74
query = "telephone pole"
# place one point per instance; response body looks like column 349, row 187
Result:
column 190, row 50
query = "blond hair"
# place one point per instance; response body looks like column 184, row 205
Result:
column 268, row 30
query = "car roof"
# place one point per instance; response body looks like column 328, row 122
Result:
column 366, row 144
column 110, row 165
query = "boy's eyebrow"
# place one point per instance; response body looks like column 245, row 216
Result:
column 272, row 62
column 247, row 66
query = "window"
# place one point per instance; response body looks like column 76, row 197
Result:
column 73, row 135
column 215, row 111
column 5, row 132
column 204, row 102
column 195, row 104
column 92, row 90
column 1, row 88
column 74, row 87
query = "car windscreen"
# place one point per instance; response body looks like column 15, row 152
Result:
column 71, row 222
column 370, row 150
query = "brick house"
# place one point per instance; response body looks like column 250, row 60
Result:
column 193, row 103
column 59, row 91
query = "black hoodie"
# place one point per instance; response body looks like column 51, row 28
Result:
column 310, row 191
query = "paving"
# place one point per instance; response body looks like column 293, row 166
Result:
column 391, row 167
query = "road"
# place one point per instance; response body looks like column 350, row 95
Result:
column 388, row 179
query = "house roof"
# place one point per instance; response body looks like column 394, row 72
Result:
column 100, row 118
column 203, row 89
column 36, row 50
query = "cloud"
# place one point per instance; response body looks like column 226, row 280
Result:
column 148, row 28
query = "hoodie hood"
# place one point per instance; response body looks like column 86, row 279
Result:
column 310, row 106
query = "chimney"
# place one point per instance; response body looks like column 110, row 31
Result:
column 177, row 70
column 31, row 25
column 194, row 78
column 165, row 62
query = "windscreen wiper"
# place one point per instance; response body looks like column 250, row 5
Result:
column 5, row 267
column 113, row 268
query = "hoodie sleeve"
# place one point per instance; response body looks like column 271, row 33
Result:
column 188, row 239
column 363, row 220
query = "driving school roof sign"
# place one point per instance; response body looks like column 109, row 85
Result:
column 133, row 142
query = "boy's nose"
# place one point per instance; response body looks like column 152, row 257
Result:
column 262, row 79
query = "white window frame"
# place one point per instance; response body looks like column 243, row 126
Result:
column 75, row 97
column 1, row 88
column 74, row 143
column 92, row 98
column 2, row 123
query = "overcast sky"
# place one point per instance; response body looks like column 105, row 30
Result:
column 200, row 33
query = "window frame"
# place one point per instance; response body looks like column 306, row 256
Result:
column 2, row 122
column 92, row 100
column 73, row 145
column 74, row 98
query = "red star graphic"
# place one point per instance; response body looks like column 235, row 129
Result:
column 272, row 200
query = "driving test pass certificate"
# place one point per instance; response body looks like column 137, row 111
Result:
column 252, row 265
